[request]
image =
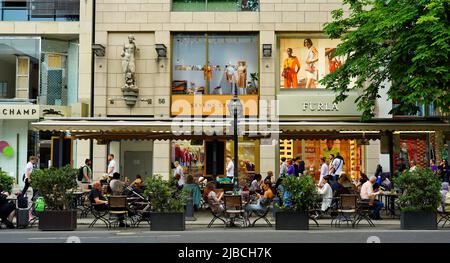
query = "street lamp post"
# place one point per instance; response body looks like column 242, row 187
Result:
column 235, row 108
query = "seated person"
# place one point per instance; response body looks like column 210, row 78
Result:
column 255, row 186
column 138, row 183
column 193, row 189
column 96, row 197
column 327, row 194
column 270, row 177
column 367, row 194
column 213, row 199
column 7, row 210
column 445, row 203
column 104, row 180
column 263, row 201
column 116, row 185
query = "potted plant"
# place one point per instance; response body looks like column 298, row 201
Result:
column 6, row 182
column 420, row 199
column 167, row 205
column 300, row 195
column 56, row 186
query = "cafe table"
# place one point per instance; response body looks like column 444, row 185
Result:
column 389, row 198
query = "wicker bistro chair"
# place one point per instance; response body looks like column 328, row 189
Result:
column 234, row 209
column 363, row 212
column 118, row 207
column 347, row 210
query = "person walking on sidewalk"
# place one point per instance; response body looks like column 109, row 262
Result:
column 27, row 174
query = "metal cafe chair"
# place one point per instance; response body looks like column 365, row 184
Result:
column 347, row 209
column 118, row 207
column 363, row 213
column 234, row 209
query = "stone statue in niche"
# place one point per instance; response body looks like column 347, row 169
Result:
column 130, row 89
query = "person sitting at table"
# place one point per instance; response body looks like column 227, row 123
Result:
column 213, row 199
column 263, row 200
column 138, row 183
column 445, row 201
column 96, row 197
column 193, row 190
column 255, row 186
column 7, row 210
column 367, row 194
column 327, row 194
column 116, row 185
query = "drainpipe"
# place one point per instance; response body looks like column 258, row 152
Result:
column 91, row 142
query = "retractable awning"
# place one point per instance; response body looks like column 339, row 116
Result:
column 199, row 128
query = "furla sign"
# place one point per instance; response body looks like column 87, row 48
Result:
column 23, row 112
column 308, row 104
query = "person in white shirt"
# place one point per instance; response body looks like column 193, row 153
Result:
column 27, row 174
column 112, row 167
column 179, row 173
column 368, row 194
column 323, row 170
column 412, row 165
column 327, row 193
column 230, row 168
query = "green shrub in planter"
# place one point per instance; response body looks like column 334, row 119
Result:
column 6, row 182
column 167, row 204
column 302, row 196
column 420, row 198
column 56, row 186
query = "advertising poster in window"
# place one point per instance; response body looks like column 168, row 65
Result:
column 304, row 61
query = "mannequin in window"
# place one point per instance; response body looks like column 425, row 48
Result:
column 242, row 77
column 291, row 67
column 311, row 69
column 230, row 75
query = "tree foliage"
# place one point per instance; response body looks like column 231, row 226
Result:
column 421, row 190
column 405, row 42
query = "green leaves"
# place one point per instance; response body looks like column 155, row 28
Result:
column 56, row 185
column 163, row 196
column 421, row 190
column 302, row 192
column 6, row 182
column 406, row 42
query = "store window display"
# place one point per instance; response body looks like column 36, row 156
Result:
column 248, row 155
column 412, row 149
column 310, row 151
column 305, row 60
column 190, row 155
column 214, row 63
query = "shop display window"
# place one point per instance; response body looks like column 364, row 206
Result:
column 190, row 155
column 310, row 151
column 214, row 64
column 215, row 5
column 303, row 61
column 248, row 155
column 412, row 148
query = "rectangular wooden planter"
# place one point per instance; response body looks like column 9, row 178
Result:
column 167, row 222
column 288, row 220
column 58, row 220
column 420, row 220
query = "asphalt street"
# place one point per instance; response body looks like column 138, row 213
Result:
column 220, row 235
